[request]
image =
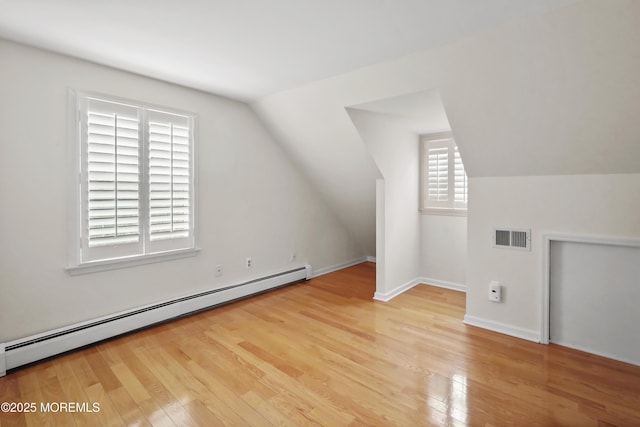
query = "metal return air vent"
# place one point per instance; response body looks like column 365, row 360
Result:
column 512, row 238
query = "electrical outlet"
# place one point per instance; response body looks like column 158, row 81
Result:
column 249, row 263
column 218, row 270
column 293, row 257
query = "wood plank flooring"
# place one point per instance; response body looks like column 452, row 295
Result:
column 324, row 353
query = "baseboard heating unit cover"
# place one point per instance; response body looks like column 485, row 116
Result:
column 36, row 347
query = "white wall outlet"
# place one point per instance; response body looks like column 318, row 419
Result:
column 293, row 257
column 495, row 291
column 218, row 270
column 249, row 263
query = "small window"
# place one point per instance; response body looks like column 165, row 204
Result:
column 133, row 194
column 444, row 180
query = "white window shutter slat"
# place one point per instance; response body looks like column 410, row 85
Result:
column 113, row 174
column 169, row 176
column 438, row 183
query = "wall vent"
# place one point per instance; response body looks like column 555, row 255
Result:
column 512, row 238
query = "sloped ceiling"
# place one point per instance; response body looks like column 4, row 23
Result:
column 245, row 49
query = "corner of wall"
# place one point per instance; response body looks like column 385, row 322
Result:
column 330, row 269
column 502, row 328
column 389, row 295
column 460, row 287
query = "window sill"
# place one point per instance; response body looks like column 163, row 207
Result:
column 112, row 264
column 444, row 211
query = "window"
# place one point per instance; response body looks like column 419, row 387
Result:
column 444, row 180
column 133, row 195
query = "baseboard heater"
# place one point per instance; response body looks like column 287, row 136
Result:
column 37, row 347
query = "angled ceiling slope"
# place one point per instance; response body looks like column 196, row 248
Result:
column 246, row 49
column 422, row 112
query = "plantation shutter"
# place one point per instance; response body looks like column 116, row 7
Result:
column 135, row 182
column 438, row 181
column 113, row 174
column 444, row 181
column 170, row 174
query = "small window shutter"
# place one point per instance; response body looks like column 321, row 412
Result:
column 170, row 152
column 444, row 181
column 113, row 174
column 438, row 180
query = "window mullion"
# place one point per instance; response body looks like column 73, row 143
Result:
column 144, row 178
column 171, row 204
column 451, row 176
column 115, row 171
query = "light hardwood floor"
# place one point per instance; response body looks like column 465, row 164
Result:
column 324, row 353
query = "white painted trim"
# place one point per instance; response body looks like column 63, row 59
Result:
column 514, row 331
column 549, row 237
column 602, row 354
column 73, row 167
column 111, row 264
column 388, row 296
column 595, row 239
column 371, row 259
column 381, row 224
column 544, row 316
column 444, row 211
column 3, row 361
column 443, row 284
column 330, row 269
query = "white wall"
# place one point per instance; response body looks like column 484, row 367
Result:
column 394, row 149
column 443, row 250
column 252, row 200
column 601, row 205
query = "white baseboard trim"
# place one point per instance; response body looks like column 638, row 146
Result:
column 371, row 259
column 599, row 353
column 330, row 269
column 503, row 328
column 388, row 296
column 3, row 361
column 443, row 284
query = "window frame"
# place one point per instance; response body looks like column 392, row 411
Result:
column 450, row 207
column 79, row 263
